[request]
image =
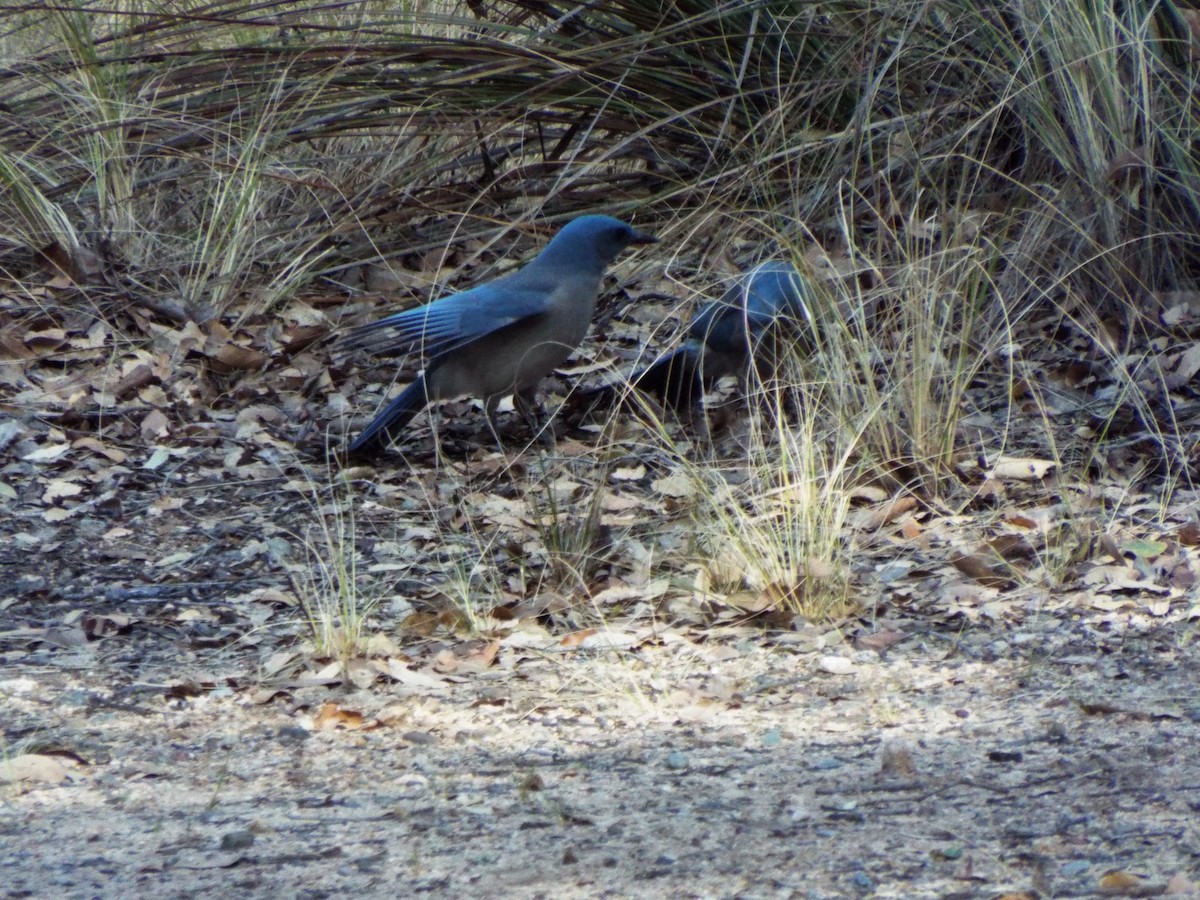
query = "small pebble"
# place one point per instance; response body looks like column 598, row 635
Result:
column 824, row 765
column 862, row 881
column 237, row 840
column 293, row 733
column 1005, row 756
column 836, row 665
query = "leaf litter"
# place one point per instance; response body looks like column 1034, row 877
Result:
column 1010, row 710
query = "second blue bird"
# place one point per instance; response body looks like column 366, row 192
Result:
column 769, row 308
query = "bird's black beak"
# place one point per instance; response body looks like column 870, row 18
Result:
column 640, row 237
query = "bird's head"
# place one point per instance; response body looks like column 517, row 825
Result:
column 592, row 241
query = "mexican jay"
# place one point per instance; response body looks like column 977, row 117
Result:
column 501, row 337
column 744, row 327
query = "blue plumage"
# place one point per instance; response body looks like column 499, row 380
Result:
column 501, row 337
column 728, row 336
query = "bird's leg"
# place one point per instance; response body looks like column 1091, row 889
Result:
column 489, row 412
column 526, row 404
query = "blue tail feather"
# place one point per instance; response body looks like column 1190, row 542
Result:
column 394, row 416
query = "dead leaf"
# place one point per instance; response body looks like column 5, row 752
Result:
column 94, row 444
column 380, row 645
column 480, row 659
column 576, row 638
column 1186, row 365
column 980, row 569
column 362, row 673
column 393, row 714
column 1020, row 520
column 97, row 626
column 1120, row 884
column 836, row 665
column 59, row 488
column 1022, row 468
column 1119, row 578
column 331, row 716
column 869, row 492
column 876, row 518
column 1179, row 884
column 1012, row 547
column 1110, row 546
column 235, row 356
column 419, row 681
column 750, row 601
column 628, row 473
column 33, row 767
column 879, row 641
column 678, row 485
column 154, row 426
column 48, row 453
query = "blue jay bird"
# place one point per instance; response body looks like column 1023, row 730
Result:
column 744, row 328
column 501, row 337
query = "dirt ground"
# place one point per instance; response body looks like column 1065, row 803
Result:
column 1010, row 710
column 167, row 736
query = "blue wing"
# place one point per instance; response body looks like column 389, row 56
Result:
column 455, row 321
column 766, row 294
column 776, row 290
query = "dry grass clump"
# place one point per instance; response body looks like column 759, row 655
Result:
column 966, row 166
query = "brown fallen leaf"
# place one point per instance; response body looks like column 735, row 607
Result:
column 421, row 624
column 879, row 641
column 1125, row 884
column 1020, row 520
column 480, row 659
column 576, row 638
column 749, row 601
column 1012, row 547
column 991, row 490
column 1189, row 534
column 979, row 569
column 234, row 356
column 113, row 454
column 331, row 716
column 874, row 519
